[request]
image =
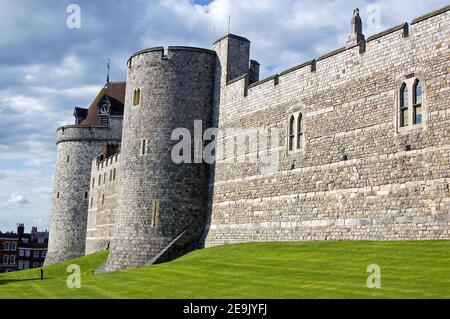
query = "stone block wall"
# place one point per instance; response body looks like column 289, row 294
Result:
column 103, row 203
column 358, row 176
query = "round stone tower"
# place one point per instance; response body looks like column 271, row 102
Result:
column 162, row 204
column 76, row 147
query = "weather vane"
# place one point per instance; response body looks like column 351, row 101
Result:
column 108, row 65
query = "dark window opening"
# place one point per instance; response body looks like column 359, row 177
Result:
column 417, row 116
column 404, row 105
column 291, row 133
column 299, row 131
column 136, row 97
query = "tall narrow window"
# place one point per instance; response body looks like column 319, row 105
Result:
column 291, row 133
column 92, row 202
column 93, row 182
column 404, row 105
column 143, row 147
column 99, row 179
column 299, row 131
column 114, row 174
column 136, row 97
column 155, row 212
column 417, row 116
column 67, row 158
column 103, row 199
column 85, row 195
column 57, row 195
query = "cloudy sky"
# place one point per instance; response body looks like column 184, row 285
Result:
column 46, row 68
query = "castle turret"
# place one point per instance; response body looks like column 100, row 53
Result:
column 161, row 210
column 233, row 53
column 76, row 146
column 356, row 34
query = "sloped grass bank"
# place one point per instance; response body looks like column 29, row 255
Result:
column 409, row 269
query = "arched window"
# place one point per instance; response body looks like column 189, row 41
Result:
column 299, row 131
column 404, row 105
column 291, row 133
column 136, row 97
column 417, row 107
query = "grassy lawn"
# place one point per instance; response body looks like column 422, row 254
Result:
column 409, row 269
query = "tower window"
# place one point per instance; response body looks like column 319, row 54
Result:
column 155, row 212
column 67, row 159
column 143, row 147
column 404, row 105
column 103, row 199
column 57, row 195
column 417, row 101
column 85, row 195
column 291, row 133
column 136, row 97
column 92, row 202
column 295, row 132
column 99, row 179
column 93, row 182
column 299, row 131
column 114, row 174
column 411, row 107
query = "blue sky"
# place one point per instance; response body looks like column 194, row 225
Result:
column 46, row 69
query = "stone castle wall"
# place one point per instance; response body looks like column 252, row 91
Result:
column 76, row 147
column 159, row 199
column 357, row 175
column 103, row 203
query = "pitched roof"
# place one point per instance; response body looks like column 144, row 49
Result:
column 115, row 93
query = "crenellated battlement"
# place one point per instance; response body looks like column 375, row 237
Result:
column 172, row 53
column 71, row 133
column 404, row 30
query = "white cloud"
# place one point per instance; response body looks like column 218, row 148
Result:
column 283, row 33
column 17, row 199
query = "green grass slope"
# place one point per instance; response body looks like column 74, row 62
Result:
column 412, row 269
